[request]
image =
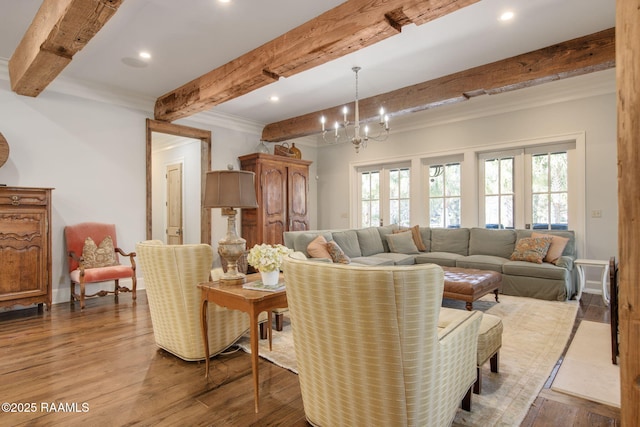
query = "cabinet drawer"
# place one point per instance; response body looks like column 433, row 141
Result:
column 22, row 197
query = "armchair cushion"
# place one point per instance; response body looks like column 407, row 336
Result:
column 103, row 255
column 102, row 274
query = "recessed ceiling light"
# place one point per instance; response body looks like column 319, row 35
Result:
column 274, row 98
column 144, row 55
column 507, row 16
column 224, row 1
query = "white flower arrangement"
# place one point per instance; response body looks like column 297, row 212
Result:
column 267, row 258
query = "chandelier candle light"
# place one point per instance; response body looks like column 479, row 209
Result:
column 356, row 139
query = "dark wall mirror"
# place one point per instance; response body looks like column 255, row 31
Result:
column 178, row 158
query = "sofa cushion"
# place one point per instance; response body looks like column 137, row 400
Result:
column 500, row 243
column 454, row 240
column 417, row 236
column 301, row 241
column 425, row 233
column 542, row 271
column 383, row 231
column 482, row 262
column 445, row 259
column 337, row 254
column 569, row 250
column 370, row 241
column 531, row 249
column 318, row 248
column 371, row 260
column 397, row 259
column 402, row 243
column 555, row 249
column 348, row 241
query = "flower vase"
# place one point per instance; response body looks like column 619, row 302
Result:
column 270, row 278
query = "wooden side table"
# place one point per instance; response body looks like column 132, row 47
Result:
column 581, row 263
column 251, row 302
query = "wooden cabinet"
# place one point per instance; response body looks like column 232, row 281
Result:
column 282, row 187
column 25, row 246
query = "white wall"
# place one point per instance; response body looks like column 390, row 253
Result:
column 93, row 153
column 474, row 123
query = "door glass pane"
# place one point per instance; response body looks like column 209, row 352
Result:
column 453, row 180
column 436, row 183
column 506, row 175
column 558, row 171
column 395, row 213
column 436, row 209
column 492, row 211
column 394, row 184
column 559, row 209
column 506, row 211
column 404, row 183
column 491, row 176
column 453, row 212
column 539, row 173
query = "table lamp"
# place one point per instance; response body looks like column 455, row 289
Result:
column 231, row 189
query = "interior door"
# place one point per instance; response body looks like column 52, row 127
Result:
column 297, row 198
column 174, row 204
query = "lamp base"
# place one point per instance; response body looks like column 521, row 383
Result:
column 232, row 282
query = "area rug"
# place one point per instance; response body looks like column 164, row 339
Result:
column 534, row 337
column 587, row 370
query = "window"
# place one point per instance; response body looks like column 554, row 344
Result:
column 444, row 195
column 499, row 192
column 399, row 196
column 384, row 193
column 526, row 188
column 370, row 198
column 549, row 191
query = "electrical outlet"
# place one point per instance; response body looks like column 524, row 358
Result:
column 596, row 213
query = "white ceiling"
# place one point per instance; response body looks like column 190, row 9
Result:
column 189, row 38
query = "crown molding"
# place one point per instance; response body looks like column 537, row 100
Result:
column 137, row 101
column 555, row 92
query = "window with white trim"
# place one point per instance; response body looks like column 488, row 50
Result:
column 384, row 195
column 526, row 188
column 444, row 195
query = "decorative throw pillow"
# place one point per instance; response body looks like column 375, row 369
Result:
column 317, row 248
column 417, row 236
column 103, row 255
column 402, row 243
column 531, row 249
column 337, row 254
column 556, row 248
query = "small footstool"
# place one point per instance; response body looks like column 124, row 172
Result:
column 489, row 343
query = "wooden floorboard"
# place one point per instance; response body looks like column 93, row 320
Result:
column 105, row 356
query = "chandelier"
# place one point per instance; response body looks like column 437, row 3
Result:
column 356, row 139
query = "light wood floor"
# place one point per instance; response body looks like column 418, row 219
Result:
column 103, row 367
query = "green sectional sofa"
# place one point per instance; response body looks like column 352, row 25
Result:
column 480, row 248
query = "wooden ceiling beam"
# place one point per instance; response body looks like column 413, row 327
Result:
column 583, row 55
column 351, row 26
column 58, row 31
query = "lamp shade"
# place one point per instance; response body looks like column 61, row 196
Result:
column 230, row 189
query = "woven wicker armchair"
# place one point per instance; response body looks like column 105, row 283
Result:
column 379, row 358
column 171, row 275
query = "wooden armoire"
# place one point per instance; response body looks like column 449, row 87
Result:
column 25, row 246
column 282, row 187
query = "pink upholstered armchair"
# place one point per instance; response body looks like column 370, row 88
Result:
column 93, row 257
